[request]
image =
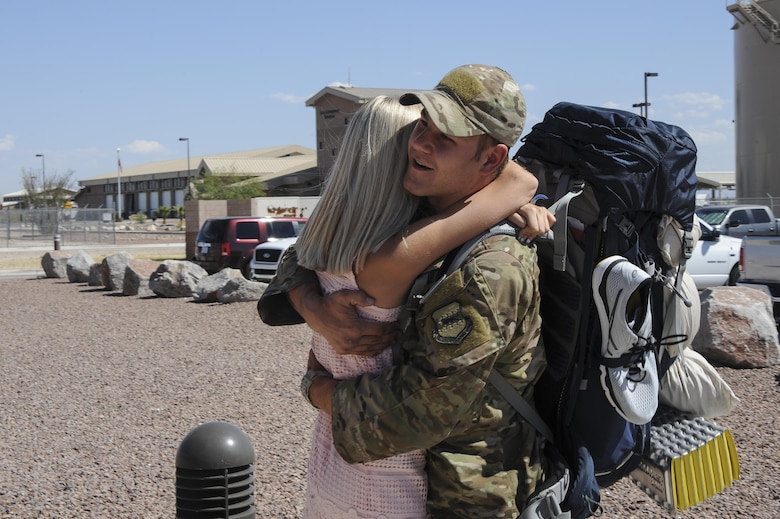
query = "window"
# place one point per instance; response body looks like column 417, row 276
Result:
column 247, row 231
column 760, row 216
column 739, row 217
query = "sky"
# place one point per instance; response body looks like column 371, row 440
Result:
column 81, row 78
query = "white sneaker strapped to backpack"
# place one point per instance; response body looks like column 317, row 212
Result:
column 629, row 372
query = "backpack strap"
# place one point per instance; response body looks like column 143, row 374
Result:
column 558, row 234
column 520, row 404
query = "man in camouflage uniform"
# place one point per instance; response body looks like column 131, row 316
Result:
column 483, row 459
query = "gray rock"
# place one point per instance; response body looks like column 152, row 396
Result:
column 176, row 278
column 113, row 270
column 228, row 286
column 137, row 274
column 95, row 275
column 238, row 290
column 208, row 288
column 55, row 263
column 78, row 267
column 737, row 328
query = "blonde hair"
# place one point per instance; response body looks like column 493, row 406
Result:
column 364, row 202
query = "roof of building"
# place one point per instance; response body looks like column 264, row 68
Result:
column 264, row 168
column 355, row 94
column 267, row 163
column 716, row 179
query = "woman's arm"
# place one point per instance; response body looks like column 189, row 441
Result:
column 389, row 272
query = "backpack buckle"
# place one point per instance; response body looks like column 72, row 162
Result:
column 688, row 244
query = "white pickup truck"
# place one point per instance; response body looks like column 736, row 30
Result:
column 759, row 263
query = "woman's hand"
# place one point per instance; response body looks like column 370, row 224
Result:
column 533, row 220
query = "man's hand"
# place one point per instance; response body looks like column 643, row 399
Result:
column 335, row 317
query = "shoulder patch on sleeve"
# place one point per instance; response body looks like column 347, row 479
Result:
column 450, row 324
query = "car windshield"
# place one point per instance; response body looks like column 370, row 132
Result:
column 712, row 215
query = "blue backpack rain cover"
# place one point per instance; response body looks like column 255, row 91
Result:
column 632, row 172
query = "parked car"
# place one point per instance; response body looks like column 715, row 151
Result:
column 231, row 241
column 740, row 220
column 715, row 259
column 266, row 258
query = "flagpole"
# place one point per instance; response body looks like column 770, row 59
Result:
column 118, row 184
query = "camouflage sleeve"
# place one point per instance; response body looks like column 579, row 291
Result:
column 463, row 327
column 274, row 306
column 403, row 409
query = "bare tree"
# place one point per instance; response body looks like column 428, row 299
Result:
column 49, row 192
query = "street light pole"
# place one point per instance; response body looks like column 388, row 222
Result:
column 647, row 104
column 43, row 175
column 189, row 187
column 118, row 184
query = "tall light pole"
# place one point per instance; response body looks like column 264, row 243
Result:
column 118, row 184
column 43, row 176
column 189, row 188
column 647, row 104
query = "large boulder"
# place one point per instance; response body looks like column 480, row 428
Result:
column 228, row 286
column 55, row 264
column 113, row 270
column 208, row 288
column 737, row 328
column 238, row 290
column 95, row 275
column 137, row 274
column 176, row 278
column 78, row 267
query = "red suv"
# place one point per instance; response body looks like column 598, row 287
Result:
column 231, row 241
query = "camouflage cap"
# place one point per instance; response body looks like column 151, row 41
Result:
column 475, row 100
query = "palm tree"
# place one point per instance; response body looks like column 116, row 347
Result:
column 164, row 211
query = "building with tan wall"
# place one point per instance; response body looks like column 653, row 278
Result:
column 285, row 170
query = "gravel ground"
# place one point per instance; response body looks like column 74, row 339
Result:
column 98, row 390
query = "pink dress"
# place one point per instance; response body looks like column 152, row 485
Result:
column 390, row 488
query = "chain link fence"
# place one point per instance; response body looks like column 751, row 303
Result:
column 772, row 202
column 76, row 226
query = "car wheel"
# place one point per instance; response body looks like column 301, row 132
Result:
column 734, row 275
column 247, row 271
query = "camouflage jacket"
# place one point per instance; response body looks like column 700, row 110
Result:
column 482, row 457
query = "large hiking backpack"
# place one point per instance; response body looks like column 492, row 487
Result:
column 625, row 180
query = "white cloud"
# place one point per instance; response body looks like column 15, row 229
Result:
column 695, row 105
column 7, row 143
column 528, row 87
column 718, row 132
column 144, row 147
column 289, row 98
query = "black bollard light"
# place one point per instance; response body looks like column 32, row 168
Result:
column 215, row 467
column 57, row 242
